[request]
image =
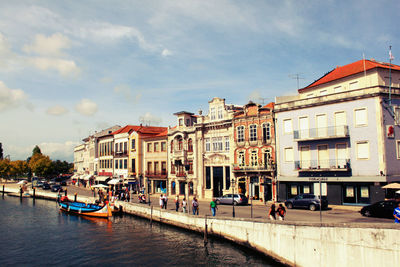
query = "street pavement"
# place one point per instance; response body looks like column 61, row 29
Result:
column 335, row 213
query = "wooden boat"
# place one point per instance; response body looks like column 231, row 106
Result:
column 80, row 208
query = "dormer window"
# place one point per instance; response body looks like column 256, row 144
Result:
column 180, row 122
column 212, row 113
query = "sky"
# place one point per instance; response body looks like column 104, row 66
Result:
column 70, row 68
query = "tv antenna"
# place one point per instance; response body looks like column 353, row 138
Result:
column 297, row 76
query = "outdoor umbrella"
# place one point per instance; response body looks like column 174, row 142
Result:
column 398, row 192
column 99, row 186
column 392, row 186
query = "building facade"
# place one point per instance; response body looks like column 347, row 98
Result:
column 340, row 135
column 254, row 151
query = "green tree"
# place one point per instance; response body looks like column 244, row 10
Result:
column 36, row 150
column 5, row 168
column 41, row 165
column 18, row 168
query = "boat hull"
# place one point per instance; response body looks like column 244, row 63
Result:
column 80, row 208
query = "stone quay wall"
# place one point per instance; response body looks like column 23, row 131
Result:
column 295, row 244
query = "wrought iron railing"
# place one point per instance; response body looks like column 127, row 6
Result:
column 322, row 133
column 316, row 165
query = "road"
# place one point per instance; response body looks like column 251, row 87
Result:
column 335, row 214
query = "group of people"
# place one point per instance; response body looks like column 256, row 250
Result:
column 280, row 211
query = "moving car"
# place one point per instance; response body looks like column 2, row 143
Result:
column 238, row 199
column 46, row 186
column 56, row 188
column 383, row 209
column 307, row 201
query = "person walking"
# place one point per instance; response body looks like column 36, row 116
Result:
column 177, row 203
column 396, row 214
column 213, row 207
column 281, row 212
column 195, row 206
column 272, row 212
column 161, row 201
column 184, row 205
column 165, row 201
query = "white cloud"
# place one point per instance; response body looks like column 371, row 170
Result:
column 49, row 46
column 61, row 151
column 166, row 53
column 86, row 107
column 63, row 66
column 10, row 98
column 56, row 110
column 150, row 119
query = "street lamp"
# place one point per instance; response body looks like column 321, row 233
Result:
column 233, row 195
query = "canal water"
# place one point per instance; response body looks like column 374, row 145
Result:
column 36, row 233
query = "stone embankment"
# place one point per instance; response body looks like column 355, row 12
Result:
column 290, row 243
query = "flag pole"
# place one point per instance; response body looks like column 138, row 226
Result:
column 390, row 76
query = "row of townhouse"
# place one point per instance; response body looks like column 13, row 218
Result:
column 340, row 134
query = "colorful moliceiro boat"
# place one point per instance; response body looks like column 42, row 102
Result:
column 85, row 209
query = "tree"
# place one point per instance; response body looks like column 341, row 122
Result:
column 5, row 168
column 18, row 168
column 41, row 165
column 36, row 150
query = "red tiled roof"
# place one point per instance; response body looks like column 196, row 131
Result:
column 349, row 69
column 270, row 105
column 140, row 129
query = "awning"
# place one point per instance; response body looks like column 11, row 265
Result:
column 392, row 186
column 86, row 177
column 114, row 181
column 102, row 178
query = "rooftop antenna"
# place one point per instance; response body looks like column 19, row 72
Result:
column 298, row 77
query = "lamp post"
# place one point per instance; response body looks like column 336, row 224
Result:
column 233, row 195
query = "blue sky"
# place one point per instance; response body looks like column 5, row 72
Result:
column 69, row 68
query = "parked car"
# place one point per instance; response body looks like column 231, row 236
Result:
column 238, row 199
column 383, row 209
column 308, row 201
column 45, row 186
column 56, row 188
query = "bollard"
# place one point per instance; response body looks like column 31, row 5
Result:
column 75, row 196
column 34, row 192
column 20, row 192
column 3, row 189
column 151, row 216
column 205, row 232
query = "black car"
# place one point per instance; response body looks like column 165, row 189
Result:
column 56, row 188
column 308, row 201
column 46, row 186
column 383, row 209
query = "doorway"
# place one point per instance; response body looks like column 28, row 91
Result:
column 218, row 180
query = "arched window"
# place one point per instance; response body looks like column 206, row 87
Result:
column 254, row 158
column 240, row 134
column 267, row 157
column 241, row 158
column 253, row 132
column 266, row 132
column 180, row 143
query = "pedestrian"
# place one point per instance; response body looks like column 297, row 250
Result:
column 396, row 214
column 184, row 204
column 177, row 203
column 161, row 201
column 281, row 212
column 213, row 207
column 272, row 212
column 195, row 206
column 165, row 201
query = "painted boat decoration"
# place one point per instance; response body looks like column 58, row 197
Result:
column 80, row 208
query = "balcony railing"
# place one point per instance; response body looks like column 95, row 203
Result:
column 179, row 153
column 159, row 174
column 248, row 168
column 322, row 133
column 180, row 174
column 323, row 165
column 121, row 153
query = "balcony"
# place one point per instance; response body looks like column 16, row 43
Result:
column 121, row 154
column 179, row 153
column 248, row 168
column 331, row 132
column 159, row 174
column 322, row 165
column 180, row 174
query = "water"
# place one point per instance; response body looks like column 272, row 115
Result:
column 38, row 234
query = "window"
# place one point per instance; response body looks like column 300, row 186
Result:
column 208, row 145
column 353, row 85
column 397, row 115
column 180, row 122
column 190, row 145
column 156, row 146
column 226, row 143
column 240, row 134
column 287, row 126
column 215, row 144
column 120, row 163
column 125, row 147
column 253, row 132
column 362, row 150
column 156, row 167
column 149, row 146
column 187, row 122
column 220, row 115
column 360, row 117
column 398, row 148
column 212, row 114
column 254, row 158
column 266, row 132
column 163, row 168
column 163, row 146
column 180, row 144
column 149, row 167
column 133, row 165
column 172, row 146
column 125, row 164
column 227, row 178
column 133, row 146
column 267, row 157
column 323, row 92
column 289, row 154
column 241, row 158
column 219, row 143
column 116, row 164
